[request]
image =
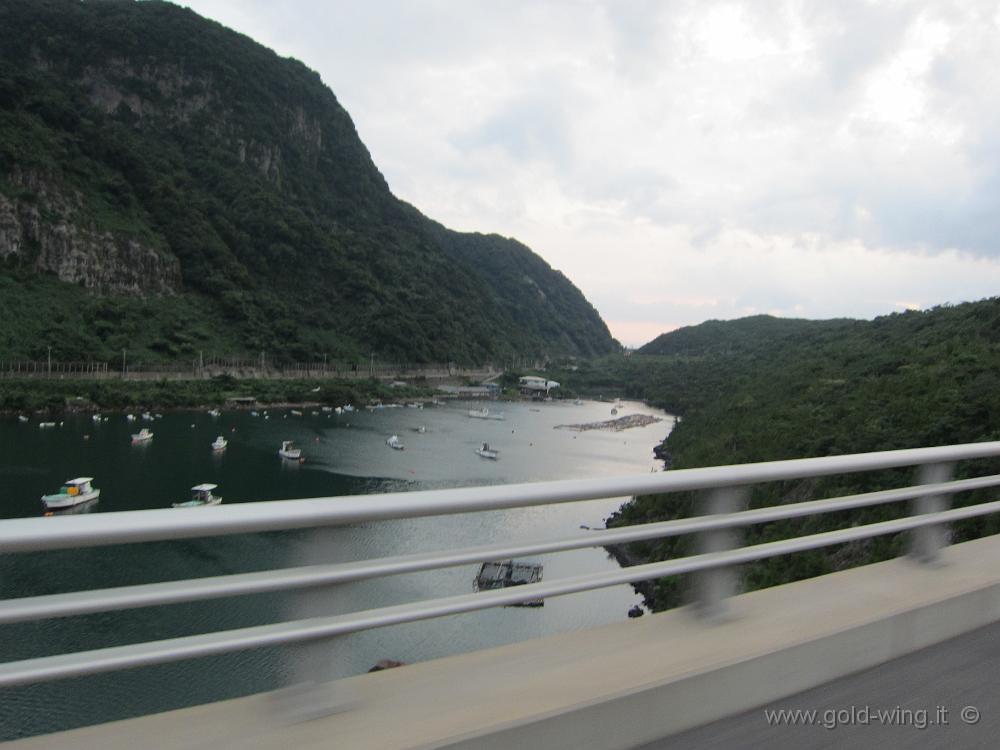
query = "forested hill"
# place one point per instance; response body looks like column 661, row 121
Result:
column 741, row 336
column 807, row 388
column 826, row 387
column 169, row 185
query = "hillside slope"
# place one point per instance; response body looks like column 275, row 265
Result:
column 763, row 390
column 149, row 154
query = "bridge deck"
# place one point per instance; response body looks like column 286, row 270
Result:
column 612, row 687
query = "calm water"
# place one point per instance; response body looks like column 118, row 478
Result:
column 344, row 455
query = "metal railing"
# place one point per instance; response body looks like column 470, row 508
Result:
column 720, row 550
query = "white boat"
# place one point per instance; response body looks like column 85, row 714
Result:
column 21, row 418
column 484, row 413
column 142, row 436
column 487, row 452
column 394, row 443
column 348, row 407
column 421, row 429
column 147, row 417
column 46, row 424
column 219, row 444
column 296, row 413
column 130, row 417
column 74, row 492
column 214, row 412
column 288, row 450
column 96, row 418
column 201, row 495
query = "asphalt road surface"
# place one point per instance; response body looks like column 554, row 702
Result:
column 946, row 696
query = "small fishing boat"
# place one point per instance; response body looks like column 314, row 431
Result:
column 296, row 413
column 214, row 412
column 21, row 418
column 142, row 436
column 484, row 413
column 46, row 425
column 487, row 452
column 394, row 443
column 289, row 451
column 219, row 444
column 73, row 492
column 201, row 495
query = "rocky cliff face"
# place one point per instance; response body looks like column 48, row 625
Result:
column 40, row 227
column 147, row 151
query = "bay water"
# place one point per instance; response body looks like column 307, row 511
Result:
column 343, row 454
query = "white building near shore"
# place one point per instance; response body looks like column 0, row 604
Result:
column 534, row 384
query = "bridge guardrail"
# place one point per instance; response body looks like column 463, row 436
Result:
column 719, row 553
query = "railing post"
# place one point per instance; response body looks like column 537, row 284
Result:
column 713, row 587
column 315, row 666
column 927, row 541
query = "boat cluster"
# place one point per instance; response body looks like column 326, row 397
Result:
column 76, row 493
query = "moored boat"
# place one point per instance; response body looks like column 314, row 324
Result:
column 142, row 436
column 219, row 444
column 201, row 495
column 394, row 443
column 484, row 413
column 289, row 450
column 487, row 452
column 73, row 492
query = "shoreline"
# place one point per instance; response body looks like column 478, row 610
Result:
column 625, row 559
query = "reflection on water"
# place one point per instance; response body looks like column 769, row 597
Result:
column 85, row 507
column 342, row 454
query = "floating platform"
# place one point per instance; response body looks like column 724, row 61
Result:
column 503, row 573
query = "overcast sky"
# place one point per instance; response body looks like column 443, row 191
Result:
column 682, row 161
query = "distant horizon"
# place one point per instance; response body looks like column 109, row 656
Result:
column 683, row 163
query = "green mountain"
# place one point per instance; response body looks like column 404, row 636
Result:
column 742, row 336
column 168, row 185
column 762, row 389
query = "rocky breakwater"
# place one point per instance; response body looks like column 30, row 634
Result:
column 614, row 425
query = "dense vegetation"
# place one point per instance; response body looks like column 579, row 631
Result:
column 54, row 397
column 151, row 124
column 762, row 389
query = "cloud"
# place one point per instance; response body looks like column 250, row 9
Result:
column 807, row 158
